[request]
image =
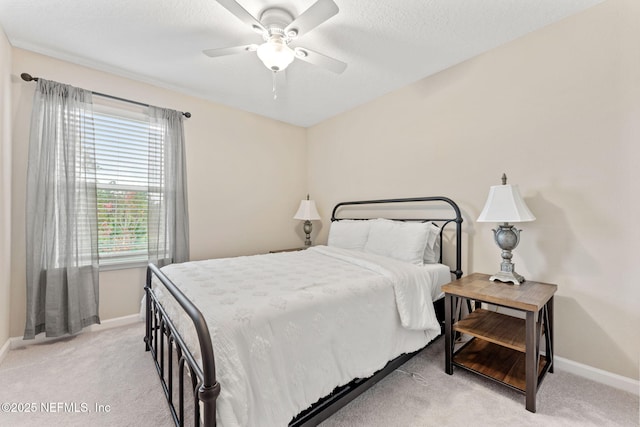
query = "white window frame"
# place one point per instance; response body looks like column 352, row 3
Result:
column 125, row 111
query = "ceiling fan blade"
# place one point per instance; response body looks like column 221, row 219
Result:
column 321, row 60
column 241, row 13
column 319, row 12
column 230, row 50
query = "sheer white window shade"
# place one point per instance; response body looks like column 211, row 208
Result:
column 122, row 173
column 72, row 183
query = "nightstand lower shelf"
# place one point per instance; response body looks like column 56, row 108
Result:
column 496, row 362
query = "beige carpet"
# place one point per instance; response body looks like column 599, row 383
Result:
column 97, row 368
column 111, row 368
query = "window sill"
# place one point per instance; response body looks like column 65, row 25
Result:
column 123, row 265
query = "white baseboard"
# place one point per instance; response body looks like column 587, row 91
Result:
column 5, row 349
column 116, row 322
column 19, row 342
column 598, row 375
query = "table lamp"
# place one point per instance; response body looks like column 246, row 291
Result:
column 505, row 205
column 307, row 212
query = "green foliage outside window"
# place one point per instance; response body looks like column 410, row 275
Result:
column 122, row 221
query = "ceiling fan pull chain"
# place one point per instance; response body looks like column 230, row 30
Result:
column 275, row 91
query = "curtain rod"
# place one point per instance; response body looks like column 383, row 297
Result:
column 28, row 78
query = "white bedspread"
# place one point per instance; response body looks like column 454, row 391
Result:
column 288, row 328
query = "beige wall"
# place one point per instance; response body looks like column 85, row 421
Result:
column 246, row 177
column 558, row 111
column 5, row 186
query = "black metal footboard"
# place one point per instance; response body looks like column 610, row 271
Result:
column 162, row 338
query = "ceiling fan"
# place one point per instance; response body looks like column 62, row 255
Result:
column 279, row 28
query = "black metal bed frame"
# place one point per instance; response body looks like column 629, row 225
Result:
column 162, row 338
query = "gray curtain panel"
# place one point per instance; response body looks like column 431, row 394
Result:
column 168, row 225
column 61, row 223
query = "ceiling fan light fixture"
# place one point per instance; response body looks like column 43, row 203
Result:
column 275, row 54
column 278, row 27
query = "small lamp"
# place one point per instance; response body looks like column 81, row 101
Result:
column 307, row 212
column 505, row 204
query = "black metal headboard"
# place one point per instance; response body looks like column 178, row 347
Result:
column 442, row 222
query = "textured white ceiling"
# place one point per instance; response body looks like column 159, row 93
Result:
column 387, row 44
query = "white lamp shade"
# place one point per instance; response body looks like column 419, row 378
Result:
column 307, row 211
column 505, row 204
column 275, row 54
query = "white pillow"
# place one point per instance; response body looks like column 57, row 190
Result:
column 404, row 241
column 349, row 234
column 432, row 249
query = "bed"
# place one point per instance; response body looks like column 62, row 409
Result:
column 297, row 335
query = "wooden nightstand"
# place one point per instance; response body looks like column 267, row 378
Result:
column 503, row 348
column 288, row 250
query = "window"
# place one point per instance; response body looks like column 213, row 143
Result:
column 122, row 165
